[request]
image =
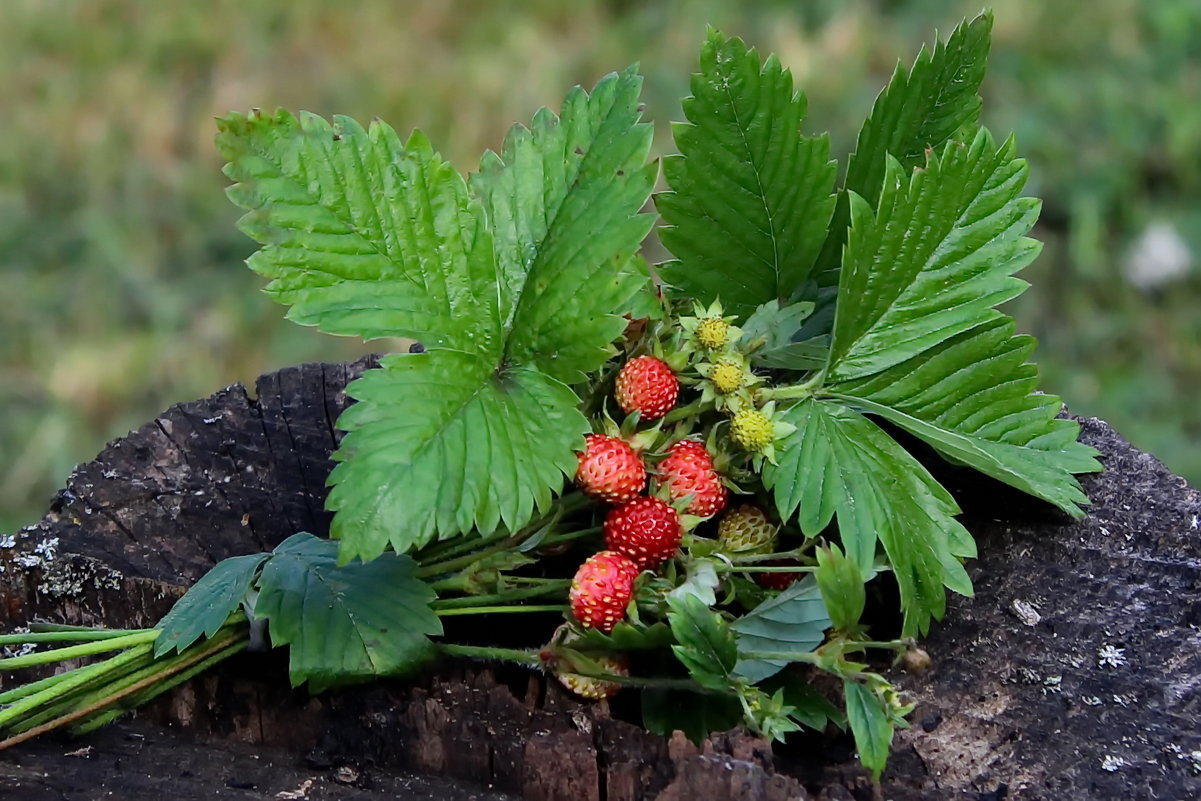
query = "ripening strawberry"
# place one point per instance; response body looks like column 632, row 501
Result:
column 746, row 529
column 596, row 689
column 648, row 385
column 688, row 470
column 781, row 580
column 647, row 530
column 601, row 590
column 610, row 470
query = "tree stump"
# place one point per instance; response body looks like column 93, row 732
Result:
column 1075, row 671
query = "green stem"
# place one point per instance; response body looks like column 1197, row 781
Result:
column 74, row 651
column 451, row 565
column 787, row 656
column 180, row 664
column 754, row 558
column 521, row 657
column 497, row 610
column 512, row 595
column 786, row 569
column 889, row 645
column 73, row 635
column 91, row 724
column 571, row 535
column 681, row 412
column 458, row 546
column 71, row 682
column 41, row 628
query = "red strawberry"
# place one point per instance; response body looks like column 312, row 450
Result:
column 610, row 470
column 647, row 530
column 781, row 580
column 601, row 589
column 648, row 385
column 688, row 470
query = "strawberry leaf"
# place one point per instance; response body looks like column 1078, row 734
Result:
column 795, row 621
column 917, row 340
column 870, row 724
column 841, row 583
column 837, row 462
column 706, row 645
column 515, row 286
column 922, row 108
column 345, row 623
column 208, row 603
column 750, row 196
column 698, row 715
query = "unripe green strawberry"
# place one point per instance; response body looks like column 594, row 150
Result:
column 596, row 689
column 647, row 530
column 746, row 529
column 712, row 332
column 727, row 376
column 647, row 385
column 752, row 429
column 782, row 580
column 688, row 470
column 610, row 470
column 601, row 589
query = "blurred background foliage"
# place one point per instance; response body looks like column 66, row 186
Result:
column 123, row 285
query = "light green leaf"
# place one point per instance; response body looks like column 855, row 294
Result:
column 795, row 621
column 921, row 109
column 706, row 645
column 345, row 623
column 841, row 583
column 208, row 603
column 870, row 724
column 515, row 295
column 917, row 340
column 701, row 582
column 838, row 462
column 750, row 196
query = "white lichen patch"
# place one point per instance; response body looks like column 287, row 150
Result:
column 1111, row 657
column 1113, row 763
column 8, row 541
column 47, row 548
column 1052, row 684
column 1092, row 700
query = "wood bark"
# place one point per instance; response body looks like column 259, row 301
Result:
column 1074, row 672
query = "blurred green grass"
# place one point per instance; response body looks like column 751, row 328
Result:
column 124, row 290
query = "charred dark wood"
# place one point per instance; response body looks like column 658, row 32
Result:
column 1073, row 673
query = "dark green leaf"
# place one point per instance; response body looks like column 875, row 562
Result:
column 706, row 645
column 626, row 637
column 750, row 196
column 209, row 602
column 870, row 725
column 917, row 339
column 841, row 583
column 795, row 621
column 921, row 109
column 696, row 714
column 345, row 623
column 810, row 706
column 839, row 462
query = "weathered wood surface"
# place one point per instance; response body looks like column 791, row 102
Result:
column 1073, row 673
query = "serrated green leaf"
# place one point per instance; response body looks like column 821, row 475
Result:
column 515, row 295
column 917, row 339
column 625, row 637
column 870, row 725
column 345, row 623
column 921, row 109
column 696, row 714
column 750, row 197
column 841, row 584
column 208, row 603
column 795, row 621
column 837, row 462
column 810, row 706
column 706, row 645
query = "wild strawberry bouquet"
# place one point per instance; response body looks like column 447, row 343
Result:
column 684, row 475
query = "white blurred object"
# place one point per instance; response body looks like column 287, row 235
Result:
column 1159, row 256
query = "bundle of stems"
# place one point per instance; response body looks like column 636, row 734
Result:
column 87, row 697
